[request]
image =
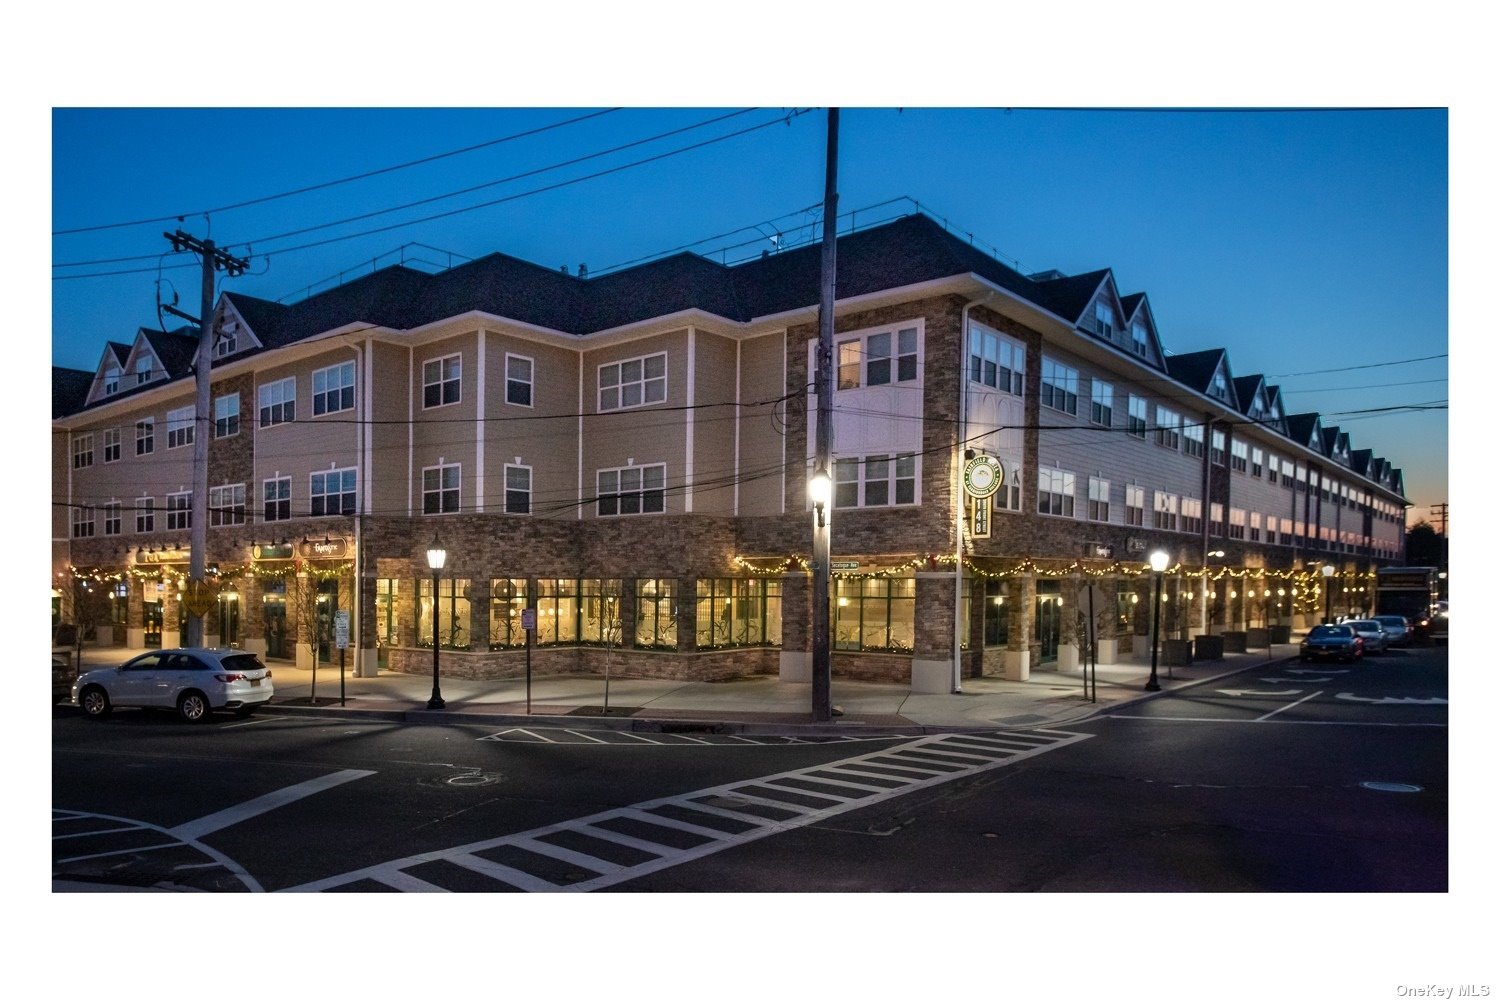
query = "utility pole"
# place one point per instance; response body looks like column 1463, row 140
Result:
column 822, row 662
column 213, row 259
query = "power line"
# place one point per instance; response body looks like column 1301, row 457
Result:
column 1350, row 368
column 334, row 183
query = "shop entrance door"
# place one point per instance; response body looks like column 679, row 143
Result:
column 152, row 621
column 275, row 616
column 229, row 619
column 1048, row 622
column 328, row 604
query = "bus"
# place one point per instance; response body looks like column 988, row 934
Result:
column 1409, row 591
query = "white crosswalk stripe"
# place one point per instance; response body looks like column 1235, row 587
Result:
column 625, row 737
column 647, row 828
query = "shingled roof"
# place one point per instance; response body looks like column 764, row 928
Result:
column 70, row 387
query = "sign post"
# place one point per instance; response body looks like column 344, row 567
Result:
column 341, row 639
column 528, row 622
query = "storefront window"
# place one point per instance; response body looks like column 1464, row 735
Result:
column 874, row 614
column 601, row 611
column 119, row 604
column 738, row 613
column 656, row 614
column 996, row 614
column 453, row 613
column 385, row 613
column 507, row 601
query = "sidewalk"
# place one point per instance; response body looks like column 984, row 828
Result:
column 755, row 705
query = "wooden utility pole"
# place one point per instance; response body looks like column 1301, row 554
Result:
column 213, row 259
column 822, row 659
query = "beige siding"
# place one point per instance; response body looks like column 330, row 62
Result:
column 447, row 434
column 714, row 417
column 646, row 435
column 543, row 436
column 307, row 444
column 390, row 435
column 762, row 438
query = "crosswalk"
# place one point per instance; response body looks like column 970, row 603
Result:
column 620, row 737
column 618, row 845
column 89, row 847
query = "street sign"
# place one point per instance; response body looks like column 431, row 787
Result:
column 198, row 598
column 341, row 629
column 983, row 476
column 528, row 619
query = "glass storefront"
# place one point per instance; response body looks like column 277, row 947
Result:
column 229, row 618
column 508, row 597
column 1048, row 618
column 656, row 614
column 874, row 614
column 273, row 600
column 996, row 614
column 385, row 621
column 735, row 612
column 452, row 612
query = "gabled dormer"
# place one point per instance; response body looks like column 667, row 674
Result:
column 1206, row 372
column 232, row 333
column 1307, row 430
column 1140, row 330
column 1398, row 482
column 109, row 377
column 1336, row 444
column 157, row 356
column 1275, row 417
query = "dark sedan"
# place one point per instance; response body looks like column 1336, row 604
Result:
column 1332, row 642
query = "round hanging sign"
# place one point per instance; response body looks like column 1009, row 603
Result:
column 983, row 476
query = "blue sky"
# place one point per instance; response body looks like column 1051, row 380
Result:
column 1302, row 241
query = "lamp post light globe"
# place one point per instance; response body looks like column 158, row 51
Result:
column 436, row 557
column 1327, row 592
column 820, row 491
column 1158, row 562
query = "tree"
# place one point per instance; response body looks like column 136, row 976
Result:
column 1424, row 546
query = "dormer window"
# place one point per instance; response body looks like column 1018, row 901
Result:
column 226, row 342
column 1104, row 319
column 111, row 380
column 1138, row 339
column 1219, row 387
column 142, row 370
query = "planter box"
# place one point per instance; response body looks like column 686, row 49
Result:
column 1176, row 652
column 1208, row 647
column 1281, row 633
column 1257, row 638
column 1234, row 642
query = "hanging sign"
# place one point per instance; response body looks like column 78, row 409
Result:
column 979, row 517
column 983, row 476
column 324, row 548
column 272, row 551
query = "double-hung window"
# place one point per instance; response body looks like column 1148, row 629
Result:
column 518, row 489
column 278, row 402
column 1165, row 511
column 1192, row 515
column 1254, row 526
column 227, row 415
column 1192, row 440
column 875, row 481
column 881, row 357
column 142, row 370
column 276, row 499
column 112, row 444
column 1168, row 427
column 112, row 518
column 333, row 389
column 226, row 505
column 180, row 427
column 83, row 522
column 1104, row 319
column 1239, row 457
column 440, row 489
column 83, row 451
column 1135, row 419
column 633, row 382
column 145, row 436
column 1098, row 499
column 1055, row 492
column 333, row 492
column 1236, row 523
column 1101, row 402
column 1059, row 386
column 180, row 511
column 518, row 376
column 441, row 381
column 1135, row 505
column 1216, row 450
column 145, row 515
column 996, row 360
column 1139, row 339
column 635, row 489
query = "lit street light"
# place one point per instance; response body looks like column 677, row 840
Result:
column 1327, row 593
column 1158, row 563
column 436, row 556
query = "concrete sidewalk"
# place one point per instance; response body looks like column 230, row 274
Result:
column 750, row 705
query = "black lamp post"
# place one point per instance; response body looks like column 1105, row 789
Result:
column 1327, row 593
column 436, row 556
column 1158, row 563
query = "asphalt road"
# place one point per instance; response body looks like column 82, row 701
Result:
column 1287, row 778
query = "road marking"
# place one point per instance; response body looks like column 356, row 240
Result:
column 1311, row 670
column 1238, row 693
column 273, row 800
column 744, row 801
column 1294, row 704
column 1278, row 722
column 237, row 725
column 623, row 737
column 1392, row 701
column 132, row 826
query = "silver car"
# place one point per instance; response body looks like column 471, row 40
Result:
column 1399, row 629
column 193, row 682
column 1377, row 639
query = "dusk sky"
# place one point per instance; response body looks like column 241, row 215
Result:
column 1310, row 244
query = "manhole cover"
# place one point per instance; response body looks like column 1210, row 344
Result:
column 1389, row 786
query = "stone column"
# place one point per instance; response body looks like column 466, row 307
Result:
column 301, row 592
column 171, row 630
column 252, row 615
column 1109, row 645
column 135, row 613
column 479, row 615
column 366, row 653
column 796, row 628
column 213, row 629
column 1022, row 600
column 406, row 610
column 932, row 652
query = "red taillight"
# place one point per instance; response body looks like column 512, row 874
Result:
column 229, row 678
column 268, row 673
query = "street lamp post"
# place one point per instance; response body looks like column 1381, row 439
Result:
column 436, row 556
column 1158, row 563
column 1327, row 593
column 820, row 490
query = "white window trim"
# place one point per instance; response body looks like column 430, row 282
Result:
column 505, row 489
column 619, row 387
column 236, row 415
column 183, row 514
column 439, row 468
column 619, row 492
column 278, row 500
column 221, row 513
column 288, row 384
column 440, row 362
column 119, row 445
column 145, row 435
column 325, row 495
column 181, row 422
column 530, row 381
column 145, row 507
column 325, row 392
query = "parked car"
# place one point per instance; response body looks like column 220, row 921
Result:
column 1332, row 642
column 1372, row 632
column 64, row 673
column 194, row 682
column 1398, row 630
column 1437, row 630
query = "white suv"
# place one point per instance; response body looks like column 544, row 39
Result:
column 194, row 682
